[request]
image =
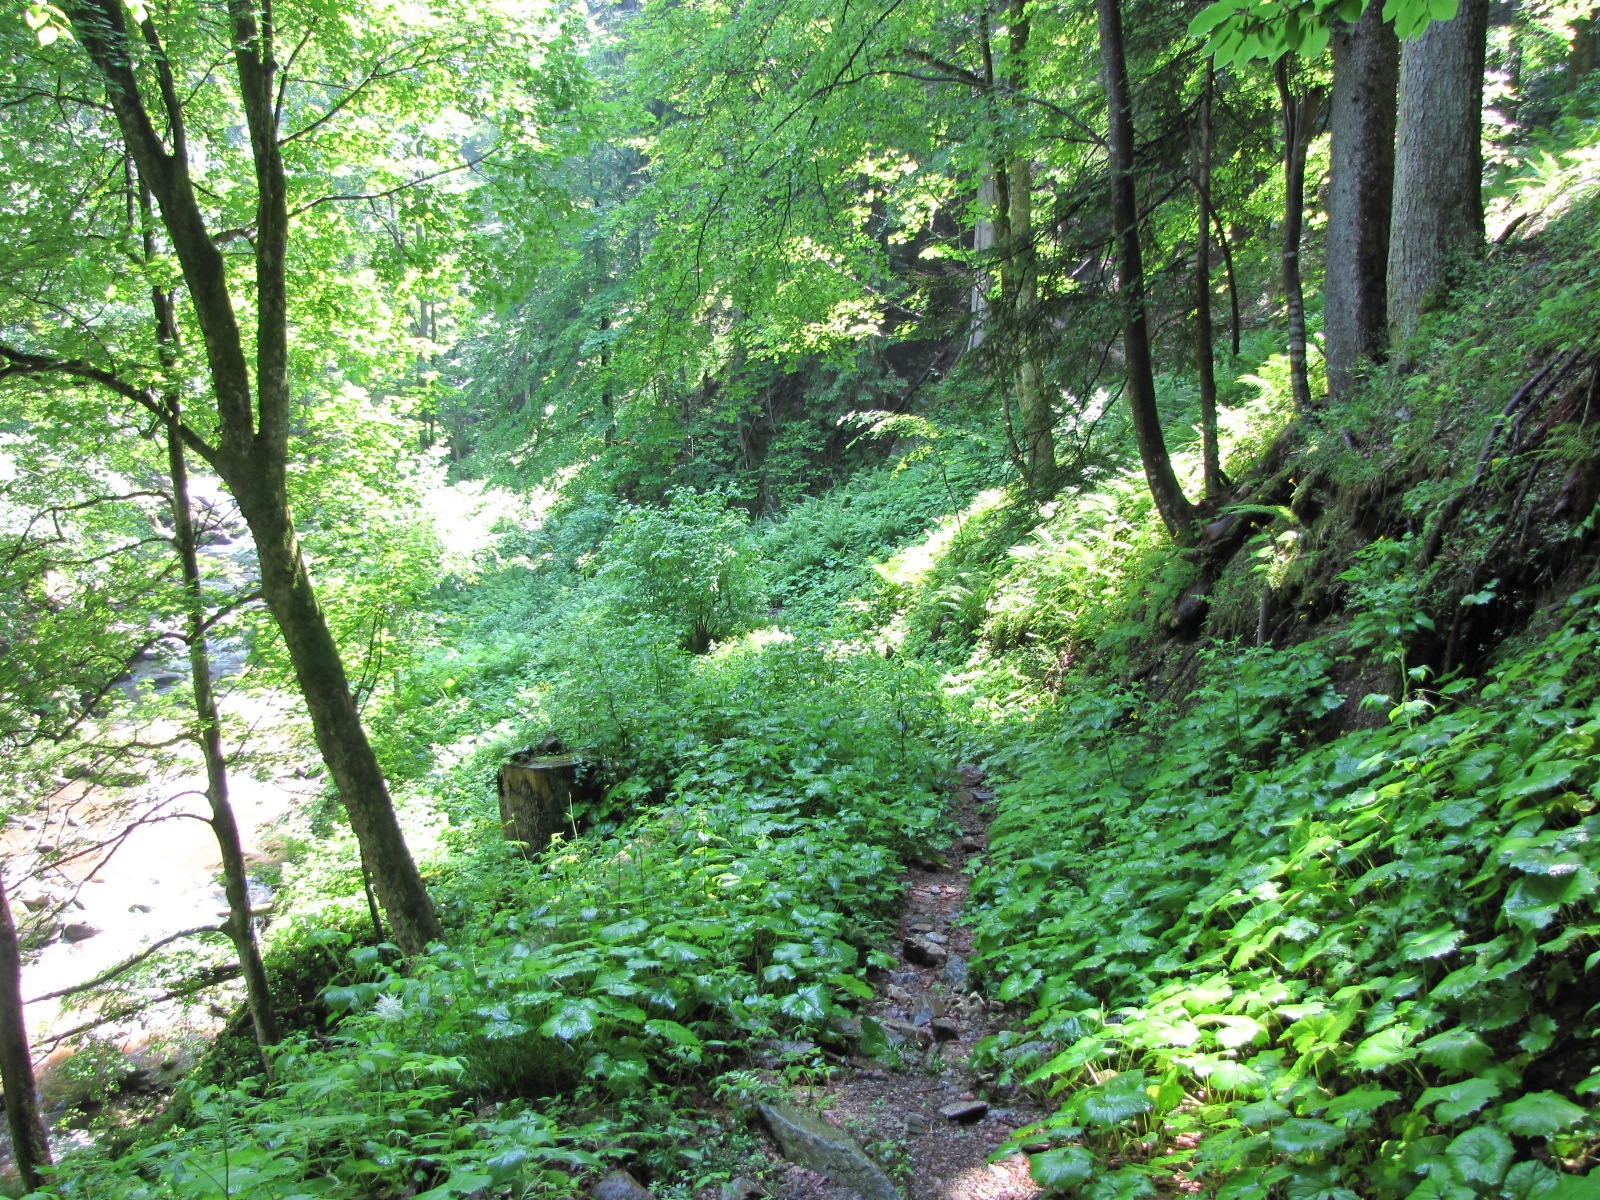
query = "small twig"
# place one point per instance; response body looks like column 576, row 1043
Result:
column 125, row 965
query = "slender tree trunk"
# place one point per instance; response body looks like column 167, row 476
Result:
column 235, row 884
column 28, row 1141
column 1033, row 404
column 1438, row 170
column 1299, row 115
column 1366, row 75
column 1233, row 281
column 983, row 240
column 320, row 673
column 1139, row 388
column 1203, row 333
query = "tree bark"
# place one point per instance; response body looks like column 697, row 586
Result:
column 1438, row 172
column 235, row 884
column 28, row 1141
column 1366, row 75
column 251, row 454
column 1203, row 332
column 1177, row 514
column 1299, row 116
column 1581, row 58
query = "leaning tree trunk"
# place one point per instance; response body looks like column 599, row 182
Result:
column 1366, row 73
column 1438, row 169
column 1203, row 332
column 235, row 884
column 336, row 724
column 253, row 406
column 1299, row 115
column 1139, row 388
column 28, row 1141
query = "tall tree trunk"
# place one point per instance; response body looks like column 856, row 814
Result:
column 1139, row 389
column 983, row 240
column 1299, row 116
column 235, row 884
column 251, row 452
column 1438, row 170
column 1033, row 404
column 1366, row 75
column 1233, row 280
column 1585, row 44
column 28, row 1141
column 1203, row 333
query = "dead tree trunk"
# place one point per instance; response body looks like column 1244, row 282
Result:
column 536, row 799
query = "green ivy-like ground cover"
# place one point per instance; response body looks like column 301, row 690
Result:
column 1341, row 968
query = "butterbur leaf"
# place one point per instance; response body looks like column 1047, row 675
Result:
column 1128, row 1183
column 874, row 1041
column 1459, row 1099
column 573, row 1018
column 623, row 930
column 1061, row 1168
column 1116, row 1100
column 1530, row 1180
column 1436, row 943
column 1480, row 1157
column 1459, row 1048
column 1302, row 1136
column 1358, row 1103
column 1540, row 1114
column 1386, row 1048
column 503, row 1166
column 675, row 1033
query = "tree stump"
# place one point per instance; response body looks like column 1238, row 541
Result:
column 535, row 797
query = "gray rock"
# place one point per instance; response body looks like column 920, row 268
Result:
column 898, row 994
column 916, row 1123
column 983, row 797
column 619, row 1185
column 964, row 1112
column 920, row 926
column 955, row 971
column 945, row 1030
column 970, row 774
column 741, row 1189
column 810, row 1141
column 80, row 932
column 923, row 1015
column 971, row 845
column 938, row 939
column 923, row 952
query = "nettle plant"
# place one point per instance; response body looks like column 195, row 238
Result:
column 1349, row 968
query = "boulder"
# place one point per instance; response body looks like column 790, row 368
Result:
column 619, row 1185
column 810, row 1141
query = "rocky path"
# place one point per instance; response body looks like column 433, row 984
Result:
column 920, row 1107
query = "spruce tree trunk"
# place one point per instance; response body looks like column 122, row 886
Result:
column 1177, row 514
column 1438, row 169
column 235, row 883
column 1366, row 75
column 1299, row 116
column 28, row 1141
column 1203, row 332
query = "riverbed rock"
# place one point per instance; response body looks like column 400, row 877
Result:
column 80, row 931
column 810, row 1141
column 964, row 1112
column 923, row 952
column 969, row 774
column 955, row 971
column 945, row 1030
column 619, row 1185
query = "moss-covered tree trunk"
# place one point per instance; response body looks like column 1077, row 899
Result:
column 28, row 1141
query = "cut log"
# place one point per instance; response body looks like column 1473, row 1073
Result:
column 536, row 798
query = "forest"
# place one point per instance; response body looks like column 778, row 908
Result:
column 808, row 599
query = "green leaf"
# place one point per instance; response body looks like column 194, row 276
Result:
column 572, row 1019
column 1061, row 1168
column 1303, row 1136
column 622, row 930
column 1116, row 1100
column 1459, row 1048
column 1530, row 1180
column 1386, row 1048
column 1459, row 1099
column 1480, row 1156
column 675, row 1033
column 1436, row 943
column 1540, row 1114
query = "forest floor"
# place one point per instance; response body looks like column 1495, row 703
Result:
column 920, row 1106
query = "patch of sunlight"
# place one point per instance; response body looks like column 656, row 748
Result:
column 911, row 566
